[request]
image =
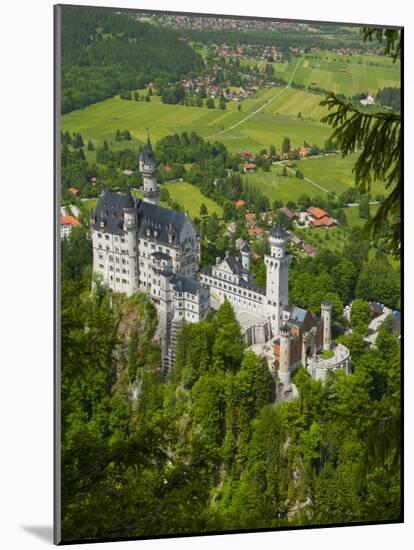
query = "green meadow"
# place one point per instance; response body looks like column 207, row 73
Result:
column 333, row 72
column 334, row 173
column 279, row 119
column 191, row 198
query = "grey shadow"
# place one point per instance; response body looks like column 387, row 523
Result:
column 43, row 532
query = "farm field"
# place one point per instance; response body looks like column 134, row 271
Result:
column 191, row 198
column 342, row 77
column 277, row 187
column 100, row 121
column 334, row 173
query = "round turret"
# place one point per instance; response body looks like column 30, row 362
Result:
column 284, row 355
column 326, row 314
column 246, row 254
column 278, row 237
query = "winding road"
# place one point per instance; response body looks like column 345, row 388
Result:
column 260, row 108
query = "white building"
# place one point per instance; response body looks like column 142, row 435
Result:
column 139, row 246
column 66, row 225
column 259, row 310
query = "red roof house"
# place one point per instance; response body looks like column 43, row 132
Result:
column 240, row 203
column 249, row 167
column 288, row 213
column 317, row 212
column 326, row 221
column 251, row 218
column 69, row 220
column 255, row 231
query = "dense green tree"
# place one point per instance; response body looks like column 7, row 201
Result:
column 360, row 316
column 210, row 103
column 378, row 281
column 364, row 208
column 286, row 145
column 345, row 277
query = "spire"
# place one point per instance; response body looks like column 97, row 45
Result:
column 147, row 154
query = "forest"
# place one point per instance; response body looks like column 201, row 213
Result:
column 104, row 52
column 206, row 447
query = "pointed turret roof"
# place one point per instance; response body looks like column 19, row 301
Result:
column 147, row 154
column 246, row 248
column 279, row 232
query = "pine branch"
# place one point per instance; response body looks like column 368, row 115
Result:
column 378, row 137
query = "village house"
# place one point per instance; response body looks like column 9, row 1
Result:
column 250, row 218
column 304, row 152
column 292, row 216
column 249, row 167
column 309, row 250
column 66, row 225
column 256, row 232
column 320, row 218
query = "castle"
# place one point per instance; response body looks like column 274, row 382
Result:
column 139, row 246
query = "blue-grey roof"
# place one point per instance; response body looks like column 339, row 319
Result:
column 297, row 314
column 207, row 270
column 279, row 232
column 110, row 210
column 182, row 283
column 245, row 248
column 165, row 221
column 249, row 286
column 147, row 154
column 235, row 266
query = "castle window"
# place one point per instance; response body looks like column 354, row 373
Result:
column 122, row 239
column 116, row 239
column 101, row 266
column 111, row 278
column 99, row 235
column 111, row 268
column 107, row 237
column 100, row 246
column 117, row 279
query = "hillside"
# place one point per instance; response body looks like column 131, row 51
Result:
column 104, row 52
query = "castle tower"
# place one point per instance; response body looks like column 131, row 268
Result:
column 130, row 228
column 326, row 308
column 148, row 169
column 284, row 357
column 277, row 278
column 245, row 254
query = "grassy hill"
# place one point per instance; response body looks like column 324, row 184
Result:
column 100, row 121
